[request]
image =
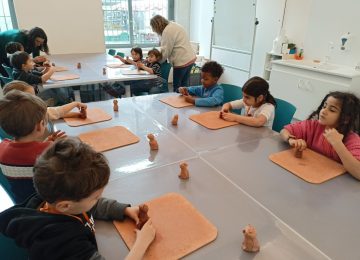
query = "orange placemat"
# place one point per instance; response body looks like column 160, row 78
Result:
column 312, row 167
column 94, row 115
column 176, row 101
column 180, row 228
column 211, row 120
column 64, row 77
column 59, row 68
column 109, row 138
column 118, row 65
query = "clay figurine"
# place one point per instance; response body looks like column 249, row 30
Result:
column 104, row 71
column 53, row 64
column 175, row 119
column 152, row 142
column 83, row 113
column 222, row 113
column 79, row 65
column 143, row 216
column 116, row 107
column 250, row 243
column 184, row 174
column 298, row 153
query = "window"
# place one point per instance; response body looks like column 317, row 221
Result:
column 127, row 22
column 7, row 15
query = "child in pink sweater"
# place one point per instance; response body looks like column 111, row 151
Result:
column 332, row 130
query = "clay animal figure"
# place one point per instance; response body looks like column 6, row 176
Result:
column 116, row 107
column 104, row 71
column 152, row 142
column 83, row 113
column 79, row 65
column 298, row 153
column 250, row 243
column 175, row 119
column 143, row 216
column 184, row 173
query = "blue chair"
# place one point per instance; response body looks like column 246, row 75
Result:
column 284, row 113
column 112, row 52
column 5, row 80
column 165, row 71
column 9, row 71
column 231, row 93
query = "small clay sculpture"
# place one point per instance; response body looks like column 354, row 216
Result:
column 298, row 153
column 104, row 71
column 79, row 65
column 250, row 243
column 83, row 113
column 53, row 64
column 143, row 215
column 175, row 119
column 184, row 173
column 116, row 107
column 152, row 142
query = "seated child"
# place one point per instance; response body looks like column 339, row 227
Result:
column 58, row 222
column 53, row 113
column 210, row 94
column 259, row 105
column 24, row 70
column 136, row 55
column 13, row 47
column 332, row 130
column 152, row 65
column 22, row 116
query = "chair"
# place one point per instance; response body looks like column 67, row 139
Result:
column 112, row 52
column 9, row 71
column 284, row 113
column 5, row 80
column 4, row 135
column 165, row 71
column 121, row 54
column 231, row 93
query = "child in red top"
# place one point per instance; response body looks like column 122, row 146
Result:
column 332, row 130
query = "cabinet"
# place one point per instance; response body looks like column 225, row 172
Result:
column 306, row 86
column 269, row 57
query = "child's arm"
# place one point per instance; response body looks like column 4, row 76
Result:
column 144, row 237
column 351, row 164
column 246, row 120
column 183, row 91
column 215, row 99
column 141, row 65
column 121, row 58
column 226, row 107
column 299, row 144
column 45, row 77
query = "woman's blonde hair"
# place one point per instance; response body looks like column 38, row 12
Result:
column 158, row 24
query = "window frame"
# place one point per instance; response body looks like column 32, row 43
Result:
column 171, row 14
column 12, row 15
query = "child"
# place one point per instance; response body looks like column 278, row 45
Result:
column 259, row 105
column 332, row 130
column 210, row 94
column 54, row 113
column 24, row 70
column 13, row 47
column 22, row 116
column 152, row 65
column 58, row 223
column 136, row 55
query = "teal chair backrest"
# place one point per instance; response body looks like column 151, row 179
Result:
column 231, row 92
column 165, row 71
column 5, row 80
column 121, row 54
column 4, row 135
column 6, row 185
column 284, row 113
column 9, row 71
column 112, row 52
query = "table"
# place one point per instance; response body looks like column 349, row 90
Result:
column 232, row 182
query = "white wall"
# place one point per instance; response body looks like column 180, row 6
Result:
column 72, row 26
column 182, row 13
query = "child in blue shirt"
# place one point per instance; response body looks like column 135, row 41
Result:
column 210, row 94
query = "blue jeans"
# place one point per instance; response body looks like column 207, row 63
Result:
column 181, row 77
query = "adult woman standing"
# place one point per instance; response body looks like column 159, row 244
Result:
column 33, row 41
column 175, row 46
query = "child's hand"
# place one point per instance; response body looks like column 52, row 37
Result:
column 147, row 234
column 229, row 116
column 226, row 108
column 298, row 144
column 189, row 99
column 333, row 136
column 39, row 59
column 56, row 135
column 183, row 91
column 80, row 105
column 133, row 212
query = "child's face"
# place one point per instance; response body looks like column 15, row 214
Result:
column 135, row 56
column 29, row 65
column 77, row 207
column 152, row 58
column 330, row 113
column 252, row 101
column 207, row 80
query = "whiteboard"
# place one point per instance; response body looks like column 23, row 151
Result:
column 234, row 24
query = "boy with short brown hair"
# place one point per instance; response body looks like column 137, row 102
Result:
column 58, row 223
